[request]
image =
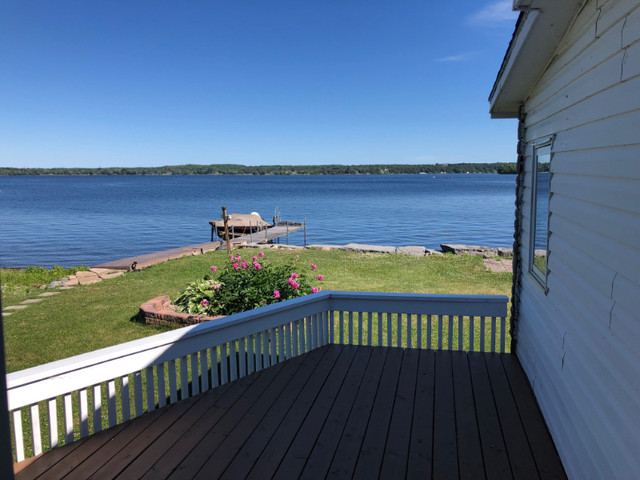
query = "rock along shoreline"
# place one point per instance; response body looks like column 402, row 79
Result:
column 97, row 274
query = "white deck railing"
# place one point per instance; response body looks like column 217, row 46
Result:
column 61, row 401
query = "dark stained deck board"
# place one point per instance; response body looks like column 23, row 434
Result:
column 77, row 462
column 542, row 448
column 445, row 449
column 194, row 461
column 134, row 448
column 339, row 412
column 421, row 446
column 164, row 444
column 294, row 461
column 470, row 462
column 218, row 462
column 372, row 451
column 343, row 465
column 47, row 462
column 248, row 454
column 494, row 453
column 270, row 458
column 183, row 445
column 518, row 449
column 325, row 446
column 394, row 462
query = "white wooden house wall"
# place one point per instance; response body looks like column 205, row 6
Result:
column 580, row 343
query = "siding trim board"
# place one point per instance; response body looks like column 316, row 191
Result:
column 518, row 225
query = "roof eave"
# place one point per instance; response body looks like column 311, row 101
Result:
column 539, row 29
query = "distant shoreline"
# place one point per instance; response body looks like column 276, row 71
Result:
column 231, row 169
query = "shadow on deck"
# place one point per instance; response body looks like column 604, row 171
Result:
column 338, row 411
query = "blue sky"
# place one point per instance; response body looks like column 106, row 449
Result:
column 257, row 82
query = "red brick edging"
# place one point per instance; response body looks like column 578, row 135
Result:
column 157, row 312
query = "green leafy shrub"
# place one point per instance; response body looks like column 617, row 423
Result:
column 243, row 285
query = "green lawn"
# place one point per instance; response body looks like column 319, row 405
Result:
column 89, row 317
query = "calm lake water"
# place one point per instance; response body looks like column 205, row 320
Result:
column 85, row 220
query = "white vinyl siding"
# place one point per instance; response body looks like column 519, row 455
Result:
column 579, row 344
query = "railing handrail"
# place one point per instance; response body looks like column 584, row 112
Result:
column 212, row 353
column 421, row 303
column 487, row 305
column 153, row 347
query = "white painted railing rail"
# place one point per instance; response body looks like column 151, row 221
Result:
column 61, row 401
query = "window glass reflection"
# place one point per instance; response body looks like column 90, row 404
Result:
column 540, row 212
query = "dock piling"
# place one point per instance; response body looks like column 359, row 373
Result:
column 226, row 228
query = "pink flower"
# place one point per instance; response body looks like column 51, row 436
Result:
column 214, row 268
column 236, row 266
column 261, row 254
column 257, row 266
column 294, row 275
column 290, row 281
column 238, row 258
column 295, row 285
column 244, row 265
column 204, row 302
column 255, row 259
column 313, row 266
column 276, row 293
column 231, row 258
column 320, row 277
column 216, row 286
column 314, row 290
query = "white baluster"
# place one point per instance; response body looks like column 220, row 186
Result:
column 204, row 370
column 137, row 393
column 162, row 389
column 233, row 361
column 243, row 356
column 111, row 402
column 151, row 395
column 184, row 378
column 52, row 410
column 36, row 438
column 195, row 378
column 215, row 378
column 97, row 408
column 224, row 363
column 68, row 418
column 18, row 435
column 493, row 334
column 173, row 382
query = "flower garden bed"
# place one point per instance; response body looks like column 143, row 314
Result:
column 160, row 311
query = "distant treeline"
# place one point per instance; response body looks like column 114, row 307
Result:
column 231, row 169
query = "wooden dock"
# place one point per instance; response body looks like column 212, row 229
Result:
column 143, row 261
column 140, row 262
column 268, row 235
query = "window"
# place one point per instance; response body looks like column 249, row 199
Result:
column 540, row 182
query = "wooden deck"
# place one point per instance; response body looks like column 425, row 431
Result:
column 268, row 235
column 338, row 412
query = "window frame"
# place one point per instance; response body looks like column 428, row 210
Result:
column 542, row 149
